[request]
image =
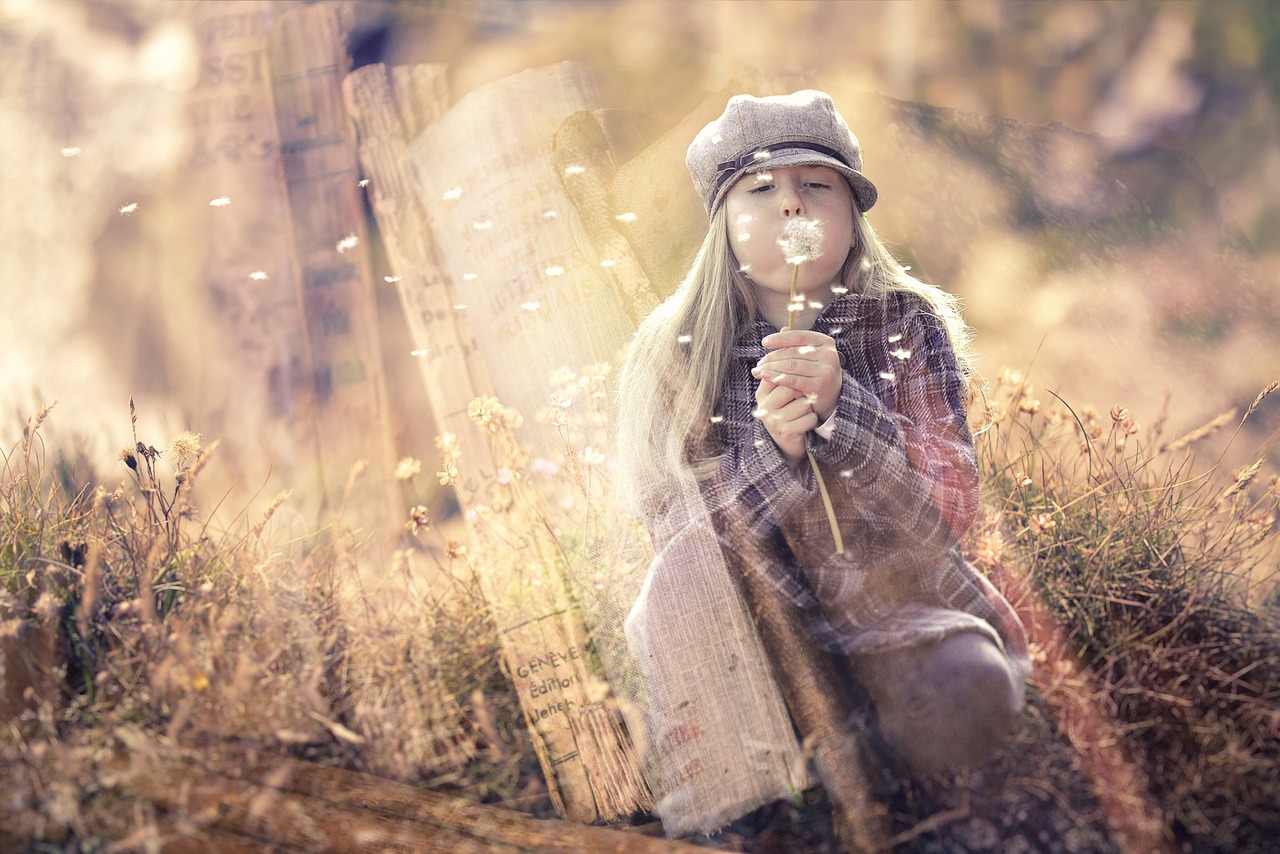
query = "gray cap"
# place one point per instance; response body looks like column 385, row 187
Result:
column 800, row 129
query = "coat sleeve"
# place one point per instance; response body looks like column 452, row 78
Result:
column 903, row 460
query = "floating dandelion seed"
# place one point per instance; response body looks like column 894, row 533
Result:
column 887, row 375
column 482, row 225
column 220, row 202
column 70, row 151
column 554, row 270
column 743, row 236
column 532, row 305
column 806, row 349
column 865, row 263
column 839, row 290
column 608, row 262
column 459, row 306
column 469, row 277
column 364, row 182
column 549, row 214
column 759, row 412
column 574, row 170
column 452, row 195
column 763, row 154
column 419, row 352
column 745, row 268
column 906, row 269
column 801, row 240
column 716, row 419
column 391, row 280
column 348, row 242
column 836, row 330
column 764, row 177
column 743, row 219
column 902, row 354
column 759, row 443
column 626, row 217
column 683, row 339
column 896, row 337
column 258, row 276
column 813, row 303
column 129, row 208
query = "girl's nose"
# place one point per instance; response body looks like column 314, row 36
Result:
column 789, row 201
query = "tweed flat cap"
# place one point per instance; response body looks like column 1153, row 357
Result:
column 752, row 134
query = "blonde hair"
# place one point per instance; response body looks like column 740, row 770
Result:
column 675, row 369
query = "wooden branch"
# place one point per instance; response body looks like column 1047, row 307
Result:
column 312, row 807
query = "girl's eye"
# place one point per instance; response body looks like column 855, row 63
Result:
column 818, row 185
column 760, row 188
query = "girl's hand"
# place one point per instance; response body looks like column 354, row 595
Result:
column 787, row 416
column 806, row 362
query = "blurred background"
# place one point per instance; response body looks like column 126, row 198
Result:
column 1097, row 180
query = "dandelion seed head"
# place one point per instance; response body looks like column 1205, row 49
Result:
column 626, row 217
column 258, row 275
column 220, row 202
column 185, row 449
column 801, row 240
column 347, row 243
column 129, row 208
column 452, row 195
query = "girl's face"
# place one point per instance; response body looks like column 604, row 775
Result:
column 759, row 205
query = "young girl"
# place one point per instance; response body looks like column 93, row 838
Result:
column 815, row 399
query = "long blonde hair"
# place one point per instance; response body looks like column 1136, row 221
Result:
column 676, row 366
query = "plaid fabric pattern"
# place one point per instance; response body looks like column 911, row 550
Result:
column 901, row 472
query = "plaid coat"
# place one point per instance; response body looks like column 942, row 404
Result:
column 902, row 475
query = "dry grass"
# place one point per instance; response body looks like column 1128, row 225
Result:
column 130, row 622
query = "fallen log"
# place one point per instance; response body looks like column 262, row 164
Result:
column 294, row 804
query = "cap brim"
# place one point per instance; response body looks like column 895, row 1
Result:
column 864, row 192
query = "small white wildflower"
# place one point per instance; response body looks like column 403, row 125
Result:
column 452, row 195
column 801, row 240
column 220, row 202
column 129, row 208
column 408, row 468
column 258, row 275
column 348, row 242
